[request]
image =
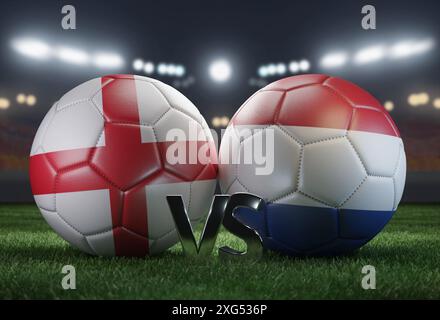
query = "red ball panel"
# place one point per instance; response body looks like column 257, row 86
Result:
column 356, row 95
column 125, row 160
column 315, row 106
column 296, row 81
column 260, row 109
column 372, row 120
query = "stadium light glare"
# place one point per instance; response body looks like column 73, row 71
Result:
column 334, row 60
column 171, row 69
column 413, row 100
column 436, row 103
column 281, row 68
column 162, row 68
column 180, row 71
column 72, row 55
column 216, row 122
column 304, row 65
column 220, row 70
column 262, row 71
column 31, row 100
column 408, row 48
column 32, row 48
column 370, row 54
column 148, row 67
column 21, row 98
column 271, row 69
column 4, row 103
column 294, row 67
column 389, row 106
column 224, row 121
column 423, row 98
column 417, row 99
column 108, row 60
column 138, row 64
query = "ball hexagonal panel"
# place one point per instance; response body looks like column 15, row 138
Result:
column 269, row 163
column 331, row 170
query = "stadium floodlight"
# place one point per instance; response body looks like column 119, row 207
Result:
column 162, row 68
column 413, row 100
column 370, row 54
column 171, row 69
column 220, row 70
column 262, row 71
column 417, row 99
column 294, row 67
column 31, row 100
column 423, row 98
column 138, row 64
column 408, row 48
column 32, row 48
column 72, row 55
column 271, row 69
column 21, row 98
column 389, row 106
column 334, row 60
column 4, row 103
column 436, row 103
column 148, row 67
column 304, row 65
column 281, row 68
column 108, row 60
column 224, row 121
column 180, row 71
column 216, row 122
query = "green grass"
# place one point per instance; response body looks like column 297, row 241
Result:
column 406, row 256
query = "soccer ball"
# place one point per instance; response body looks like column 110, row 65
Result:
column 338, row 164
column 99, row 171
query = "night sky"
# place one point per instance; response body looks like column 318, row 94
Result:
column 193, row 33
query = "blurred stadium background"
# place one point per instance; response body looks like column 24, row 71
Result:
column 218, row 53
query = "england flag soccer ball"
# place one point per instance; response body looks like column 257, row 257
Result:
column 338, row 164
column 98, row 166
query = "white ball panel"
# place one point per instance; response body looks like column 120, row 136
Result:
column 178, row 100
column 235, row 187
column 300, row 200
column 66, row 232
column 151, row 103
column 175, row 120
column 379, row 152
column 37, row 145
column 103, row 243
column 82, row 92
column 45, row 201
column 331, row 170
column 375, row 193
column 228, row 157
column 201, row 198
column 147, row 134
column 165, row 242
column 146, row 79
column 245, row 131
column 160, row 220
column 78, row 126
column 400, row 177
column 286, row 155
column 313, row 134
column 88, row 212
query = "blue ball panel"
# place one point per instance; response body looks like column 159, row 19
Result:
column 362, row 224
column 302, row 230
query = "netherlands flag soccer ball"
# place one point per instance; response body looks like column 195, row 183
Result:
column 98, row 168
column 338, row 165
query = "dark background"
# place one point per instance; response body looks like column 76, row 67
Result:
column 246, row 33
